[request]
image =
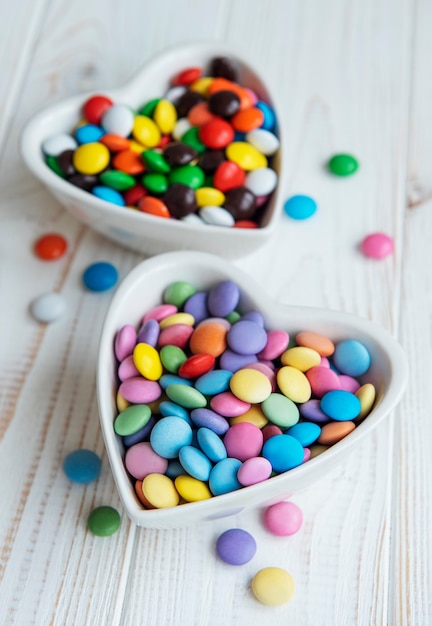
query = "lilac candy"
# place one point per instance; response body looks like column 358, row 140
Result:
column 149, row 333
column 236, row 546
column 223, row 298
column 254, row 316
column 127, row 369
column 311, row 410
column 196, row 306
column 232, row 361
column 206, row 418
column 246, row 337
column 125, row 342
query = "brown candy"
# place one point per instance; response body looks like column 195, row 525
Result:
column 225, row 68
column 209, row 161
column 241, row 203
column 84, row 181
column 65, row 162
column 186, row 101
column 179, row 154
column 180, row 200
column 224, row 103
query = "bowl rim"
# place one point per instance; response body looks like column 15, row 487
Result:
column 167, row 517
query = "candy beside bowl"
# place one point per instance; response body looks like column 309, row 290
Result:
column 135, row 229
column 143, row 289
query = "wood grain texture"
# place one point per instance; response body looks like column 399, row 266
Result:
column 343, row 72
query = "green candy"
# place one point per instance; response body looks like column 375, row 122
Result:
column 155, row 162
column 233, row 317
column 53, row 164
column 117, row 180
column 191, row 138
column 155, row 183
column 187, row 397
column 177, row 293
column 190, row 175
column 172, row 358
column 208, row 181
column 103, row 521
column 280, row 410
column 149, row 108
column 343, row 165
column 132, row 419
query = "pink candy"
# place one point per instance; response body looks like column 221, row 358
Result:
column 377, row 246
column 283, row 519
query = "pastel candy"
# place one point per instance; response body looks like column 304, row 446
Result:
column 311, row 410
column 169, row 435
column 277, row 342
column 208, row 337
column 334, row 432
column 351, row 357
column 187, row 397
column 140, row 435
column 177, row 335
column 177, row 318
column 340, row 405
column 196, row 305
column 348, row 383
column 232, row 361
column 211, row 444
column 139, row 390
column 168, row 408
column 141, row 460
column 250, row 385
column 243, row 441
column 223, row 298
column 280, row 410
column 172, row 357
column 293, row 384
column 149, row 333
column 132, row 419
column 160, row 312
column 125, row 342
column 195, row 463
column 228, row 405
column 322, row 379
column 213, row 382
column 223, row 477
column 236, row 546
column 284, row 452
column 283, row 519
column 147, row 361
column 301, row 358
column 191, row 489
column 322, row 344
column 172, row 379
column 366, row 394
column 127, row 369
column 246, row 337
column 254, row 470
column 160, row 491
column 206, row 418
column 305, row 432
column 254, row 416
column 254, row 316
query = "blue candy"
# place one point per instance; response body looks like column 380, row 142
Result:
column 300, row 207
column 168, row 408
column 88, row 133
column 340, row 405
column 169, row 435
column 211, row 444
column 223, row 477
column 269, row 122
column 149, row 333
column 213, row 382
column 351, row 357
column 141, row 434
column 305, row 432
column 284, row 452
column 82, row 466
column 100, row 276
column 196, row 305
column 108, row 194
column 171, row 379
column 174, row 469
column 195, row 463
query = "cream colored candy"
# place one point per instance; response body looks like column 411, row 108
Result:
column 293, row 384
column 322, row 344
column 122, row 404
column 160, row 491
column 366, row 394
column 147, row 361
column 250, row 385
column 273, row 586
column 301, row 357
column 177, row 318
column 191, row 489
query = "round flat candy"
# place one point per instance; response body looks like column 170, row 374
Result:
column 100, row 276
column 50, row 246
column 223, row 477
column 351, row 357
column 195, row 463
column 284, row 452
column 82, row 466
column 254, row 470
column 191, row 489
column 305, row 432
column 223, row 298
column 343, row 164
column 236, row 546
column 300, row 207
column 48, row 307
column 340, row 405
column 243, row 441
column 104, row 521
column 211, row 444
column 246, row 337
column 273, row 586
column 283, row 519
column 377, row 246
column 169, row 435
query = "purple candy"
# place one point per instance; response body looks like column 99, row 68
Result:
column 236, row 546
column 246, row 337
column 149, row 333
column 232, row 361
column 311, row 410
column 254, row 316
column 223, row 298
column 206, row 418
column 196, row 305
column 141, row 435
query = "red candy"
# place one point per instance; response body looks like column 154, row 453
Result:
column 95, row 107
column 187, row 76
column 133, row 196
column 50, row 247
column 216, row 133
column 197, row 365
column 228, row 175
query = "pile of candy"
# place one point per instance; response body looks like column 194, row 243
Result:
column 210, row 401
column 202, row 152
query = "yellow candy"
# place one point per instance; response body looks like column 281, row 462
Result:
column 147, row 361
column 301, row 358
column 293, row 384
column 254, row 416
column 137, row 147
column 250, row 385
column 91, row 158
column 273, row 586
column 165, row 116
column 366, row 394
column 316, row 449
column 191, row 489
column 177, row 318
column 145, row 131
column 202, row 85
column 122, row 404
column 160, row 491
column 245, row 155
column 209, row 196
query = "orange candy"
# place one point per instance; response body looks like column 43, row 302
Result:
column 50, row 247
column 129, row 162
column 153, row 206
column 334, row 432
column 222, row 84
column 200, row 114
column 322, row 344
column 209, row 338
column 115, row 143
column 247, row 120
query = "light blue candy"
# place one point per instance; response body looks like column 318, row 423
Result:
column 351, row 357
column 269, row 122
column 300, row 207
column 284, row 452
column 211, row 444
column 214, row 382
column 168, row 408
column 223, row 477
column 195, row 463
column 82, row 466
column 305, row 432
column 108, row 194
column 173, row 379
column 100, row 276
column 88, row 133
column 169, row 435
column 340, row 405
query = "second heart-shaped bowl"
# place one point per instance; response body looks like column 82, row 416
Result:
column 133, row 229
column 143, row 289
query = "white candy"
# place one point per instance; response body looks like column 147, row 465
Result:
column 192, row 218
column 216, row 215
column 118, row 120
column 48, row 307
column 264, row 141
column 175, row 93
column 56, row 144
column 180, row 128
column 261, row 181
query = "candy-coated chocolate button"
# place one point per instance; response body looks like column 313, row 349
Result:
column 300, row 207
column 283, row 518
column 236, row 546
column 243, row 441
column 377, row 246
column 322, row 344
column 82, row 466
column 146, row 131
column 91, row 158
column 95, row 107
column 293, row 384
column 160, row 491
column 195, row 463
column 301, row 357
column 177, row 318
column 343, row 164
column 340, row 405
column 366, row 394
column 100, row 276
column 177, row 293
column 104, row 521
column 165, row 116
column 132, row 419
column 245, row 156
column 280, row 410
column 147, row 361
column 191, row 489
column 331, row 434
column 50, row 247
column 284, row 452
column 138, row 390
column 351, row 357
column 172, row 357
column 250, row 385
column 48, row 307
column 273, row 586
column 169, row 435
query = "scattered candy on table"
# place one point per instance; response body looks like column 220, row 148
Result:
column 236, row 546
column 210, row 401
column 300, row 207
column 82, row 466
column 50, row 247
column 283, row 518
column 203, row 150
column 100, row 276
column 273, row 586
column 343, row 164
column 103, row 521
column 48, row 307
column 377, row 246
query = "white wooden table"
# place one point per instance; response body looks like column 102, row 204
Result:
column 353, row 76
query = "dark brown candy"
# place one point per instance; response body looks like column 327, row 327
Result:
column 210, row 160
column 186, row 101
column 84, row 181
column 241, row 203
column 224, row 67
column 224, row 103
column 65, row 162
column 178, row 153
column 180, row 200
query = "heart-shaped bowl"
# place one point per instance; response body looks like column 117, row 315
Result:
column 133, row 229
column 142, row 289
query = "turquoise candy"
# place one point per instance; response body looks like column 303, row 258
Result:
column 223, row 477
column 214, row 382
column 284, row 452
column 305, row 432
column 211, row 444
column 169, row 435
column 195, row 463
column 340, row 405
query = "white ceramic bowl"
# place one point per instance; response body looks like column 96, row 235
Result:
column 145, row 233
column 143, row 289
